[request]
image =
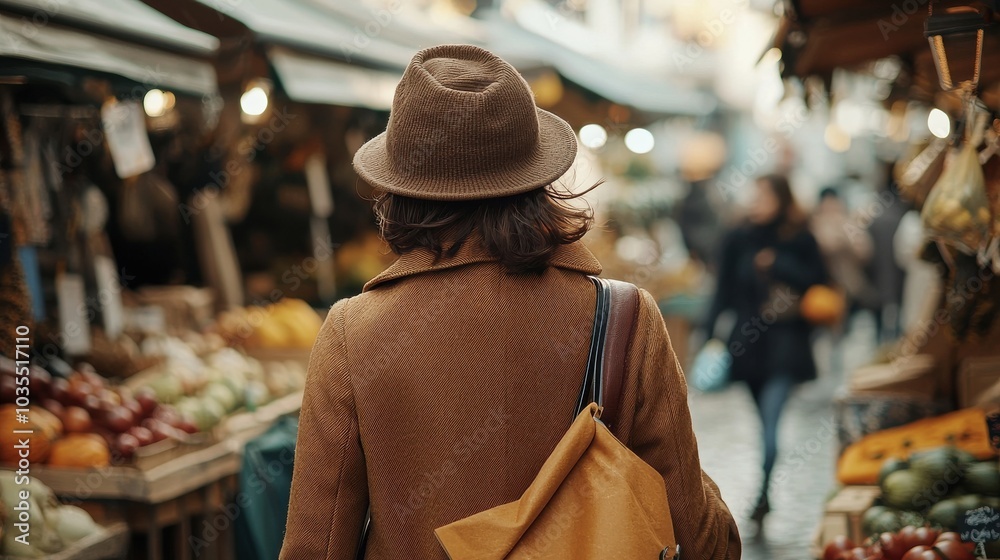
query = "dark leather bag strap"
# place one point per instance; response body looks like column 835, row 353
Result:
column 621, row 327
column 614, row 321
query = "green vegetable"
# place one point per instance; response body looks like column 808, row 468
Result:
column 902, row 489
column 74, row 523
column 983, row 478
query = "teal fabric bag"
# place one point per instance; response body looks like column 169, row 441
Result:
column 265, row 487
column 710, row 371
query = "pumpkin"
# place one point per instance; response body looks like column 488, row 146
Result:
column 80, row 450
column 983, row 478
column 822, row 305
column 45, row 428
column 964, row 429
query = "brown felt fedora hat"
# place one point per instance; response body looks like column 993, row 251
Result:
column 464, row 126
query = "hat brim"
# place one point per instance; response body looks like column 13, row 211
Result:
column 552, row 157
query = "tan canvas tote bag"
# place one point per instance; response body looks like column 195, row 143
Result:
column 593, row 498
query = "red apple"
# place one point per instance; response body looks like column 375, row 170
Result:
column 837, row 547
column 134, row 407
column 186, row 425
column 77, row 420
column 147, row 399
column 144, row 436
column 161, row 430
column 125, row 445
column 93, row 405
column 166, row 413
column 921, row 552
column 118, row 419
column 79, row 390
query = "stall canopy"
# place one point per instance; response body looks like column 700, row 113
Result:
column 303, row 26
column 818, row 36
column 121, row 37
column 310, row 79
column 320, row 57
column 525, row 49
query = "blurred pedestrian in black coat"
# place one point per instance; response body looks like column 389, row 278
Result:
column 766, row 265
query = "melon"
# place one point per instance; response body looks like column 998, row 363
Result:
column 983, row 478
column 944, row 514
column 902, row 489
column 942, row 463
column 887, row 521
column 869, row 519
column 890, row 466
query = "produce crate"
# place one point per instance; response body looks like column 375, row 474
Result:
column 300, row 355
column 842, row 516
column 111, row 543
column 166, row 481
column 248, row 424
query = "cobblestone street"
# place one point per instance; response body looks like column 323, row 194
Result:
column 729, row 443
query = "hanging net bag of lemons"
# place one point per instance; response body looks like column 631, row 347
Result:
column 956, row 211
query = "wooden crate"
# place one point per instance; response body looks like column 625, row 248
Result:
column 842, row 516
column 111, row 543
column 247, row 425
column 164, row 482
column 265, row 355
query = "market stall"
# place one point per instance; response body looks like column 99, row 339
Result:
column 917, row 428
column 141, row 401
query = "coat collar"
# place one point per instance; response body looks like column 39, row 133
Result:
column 574, row 256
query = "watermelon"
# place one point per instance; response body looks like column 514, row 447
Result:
column 946, row 464
column 902, row 489
column 890, row 466
column 887, row 521
column 944, row 514
column 869, row 517
column 983, row 478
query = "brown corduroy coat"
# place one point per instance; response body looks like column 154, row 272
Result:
column 440, row 391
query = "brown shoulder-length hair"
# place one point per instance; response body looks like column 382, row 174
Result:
column 792, row 219
column 522, row 231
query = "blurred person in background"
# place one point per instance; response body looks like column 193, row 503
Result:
column 884, row 270
column 766, row 265
column 922, row 285
column 441, row 390
column 698, row 219
column 846, row 250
